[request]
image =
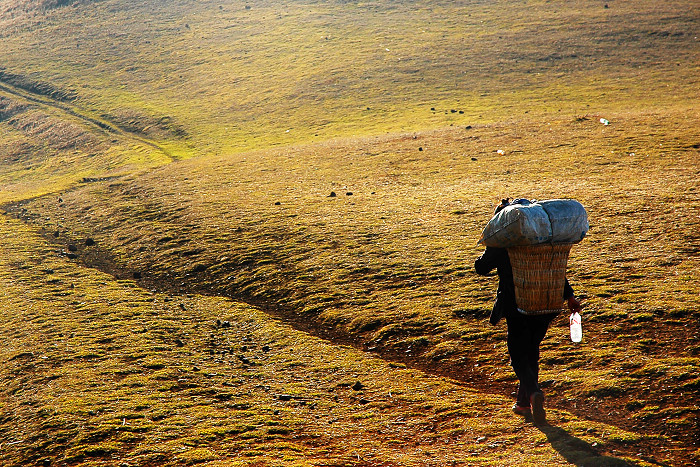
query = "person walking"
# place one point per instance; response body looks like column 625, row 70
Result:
column 525, row 332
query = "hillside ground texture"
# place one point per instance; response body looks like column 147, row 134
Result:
column 244, row 234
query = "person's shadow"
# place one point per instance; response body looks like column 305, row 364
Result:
column 577, row 451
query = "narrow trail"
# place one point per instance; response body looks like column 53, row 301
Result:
column 100, row 124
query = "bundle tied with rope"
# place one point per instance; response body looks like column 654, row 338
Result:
column 539, row 237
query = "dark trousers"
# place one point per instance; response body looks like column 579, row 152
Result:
column 524, row 336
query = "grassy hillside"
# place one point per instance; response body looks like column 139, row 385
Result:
column 98, row 371
column 221, row 216
column 386, row 265
column 235, row 76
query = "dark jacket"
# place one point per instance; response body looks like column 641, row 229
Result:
column 497, row 258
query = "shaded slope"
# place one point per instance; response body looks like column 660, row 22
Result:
column 126, row 128
column 49, row 145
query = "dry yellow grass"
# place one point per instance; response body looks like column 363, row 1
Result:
column 388, row 268
column 98, row 371
column 418, row 117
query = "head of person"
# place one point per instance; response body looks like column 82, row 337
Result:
column 508, row 202
column 504, row 202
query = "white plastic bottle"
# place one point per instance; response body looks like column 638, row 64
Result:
column 575, row 327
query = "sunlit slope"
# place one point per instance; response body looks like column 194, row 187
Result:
column 387, row 263
column 235, row 75
column 97, row 371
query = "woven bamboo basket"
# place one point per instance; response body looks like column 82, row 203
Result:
column 539, row 274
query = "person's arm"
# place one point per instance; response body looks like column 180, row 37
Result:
column 573, row 303
column 568, row 290
column 488, row 261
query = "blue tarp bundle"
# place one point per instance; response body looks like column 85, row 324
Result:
column 550, row 221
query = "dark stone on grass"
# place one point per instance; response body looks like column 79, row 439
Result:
column 349, row 193
column 468, row 127
column 89, row 242
column 332, row 195
column 420, row 149
column 200, row 268
column 265, row 348
column 179, row 343
column 71, row 256
column 357, row 386
column 277, row 203
column 56, row 234
column 474, row 158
